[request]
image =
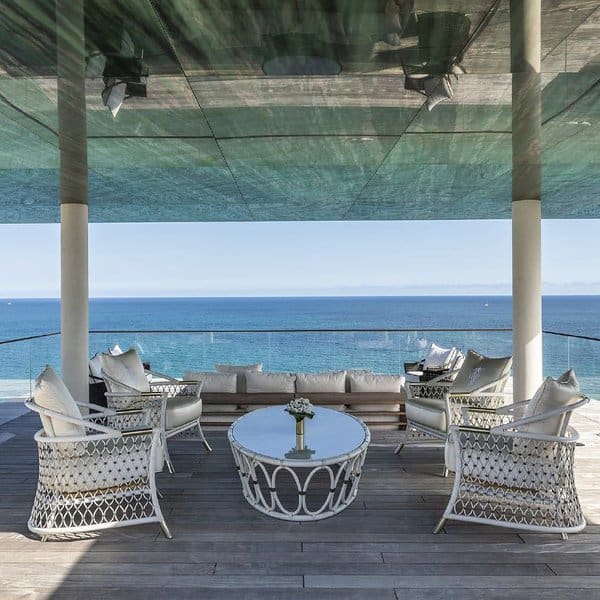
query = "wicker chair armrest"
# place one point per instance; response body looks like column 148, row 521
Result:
column 513, row 428
column 413, row 366
column 177, row 388
column 84, row 423
column 443, row 377
column 514, row 408
column 132, row 395
column 168, row 378
column 437, row 390
column 95, row 407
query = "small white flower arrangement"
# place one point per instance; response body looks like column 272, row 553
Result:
column 300, row 408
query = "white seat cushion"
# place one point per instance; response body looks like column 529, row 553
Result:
column 182, row 410
column 334, row 381
column 427, row 411
column 51, row 393
column 269, row 383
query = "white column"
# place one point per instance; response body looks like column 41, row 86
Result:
column 74, row 298
column 527, row 298
column 72, row 139
column 525, row 32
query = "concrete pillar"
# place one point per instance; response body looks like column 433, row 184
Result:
column 525, row 34
column 72, row 136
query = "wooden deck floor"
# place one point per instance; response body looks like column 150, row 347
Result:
column 382, row 547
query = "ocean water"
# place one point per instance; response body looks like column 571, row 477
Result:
column 382, row 351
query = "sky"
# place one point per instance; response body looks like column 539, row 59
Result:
column 300, row 258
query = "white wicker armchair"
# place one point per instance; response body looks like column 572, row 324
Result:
column 128, row 387
column 514, row 465
column 92, row 475
column 433, row 406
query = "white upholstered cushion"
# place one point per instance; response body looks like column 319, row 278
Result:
column 552, row 394
column 51, row 393
column 321, row 382
column 182, row 410
column 478, row 371
column 269, row 383
column 238, row 368
column 240, row 371
column 222, row 383
column 439, row 358
column 430, row 412
column 96, row 366
column 126, row 368
column 372, row 382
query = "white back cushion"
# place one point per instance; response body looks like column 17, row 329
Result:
column 552, row 394
column 372, row 382
column 96, row 366
column 439, row 358
column 126, row 368
column 321, row 382
column 240, row 371
column 478, row 371
column 270, row 383
column 224, row 383
column 51, row 393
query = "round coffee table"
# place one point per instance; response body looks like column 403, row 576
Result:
column 325, row 462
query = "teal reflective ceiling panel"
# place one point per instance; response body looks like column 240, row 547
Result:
column 217, row 139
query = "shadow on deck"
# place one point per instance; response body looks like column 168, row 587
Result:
column 381, row 547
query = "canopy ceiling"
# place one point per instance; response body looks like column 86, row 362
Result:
column 218, row 140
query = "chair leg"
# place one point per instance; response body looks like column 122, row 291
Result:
column 398, row 449
column 445, row 472
column 168, row 460
column 165, row 530
column 206, row 444
column 439, row 526
column 564, row 536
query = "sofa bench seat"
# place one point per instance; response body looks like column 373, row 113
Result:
column 383, row 410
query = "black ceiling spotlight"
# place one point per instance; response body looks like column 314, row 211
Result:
column 124, row 77
column 431, row 66
column 112, row 56
column 298, row 54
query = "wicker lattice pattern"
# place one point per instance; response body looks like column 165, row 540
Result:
column 262, row 488
column 456, row 403
column 428, row 390
column 95, row 481
column 515, row 481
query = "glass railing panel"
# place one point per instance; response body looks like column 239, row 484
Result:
column 579, row 353
column 21, row 362
column 383, row 351
column 175, row 352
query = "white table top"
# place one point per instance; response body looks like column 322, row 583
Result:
column 271, row 433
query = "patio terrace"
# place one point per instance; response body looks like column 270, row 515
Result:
column 380, row 547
